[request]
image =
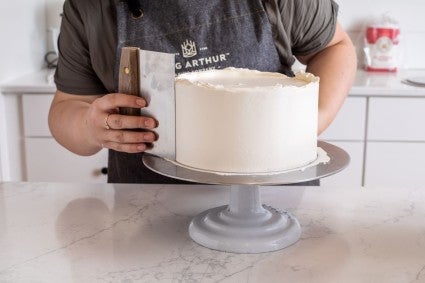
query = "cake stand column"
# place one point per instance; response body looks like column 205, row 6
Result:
column 245, row 201
column 245, row 225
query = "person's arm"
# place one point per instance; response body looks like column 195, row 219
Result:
column 336, row 66
column 77, row 122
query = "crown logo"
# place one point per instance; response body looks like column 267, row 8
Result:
column 189, row 49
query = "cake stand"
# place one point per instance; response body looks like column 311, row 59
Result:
column 245, row 225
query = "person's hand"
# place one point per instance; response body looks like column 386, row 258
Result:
column 123, row 133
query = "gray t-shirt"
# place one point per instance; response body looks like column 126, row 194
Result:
column 88, row 39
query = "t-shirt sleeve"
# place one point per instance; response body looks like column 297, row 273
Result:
column 310, row 23
column 74, row 73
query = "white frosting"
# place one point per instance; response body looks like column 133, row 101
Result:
column 242, row 121
column 322, row 157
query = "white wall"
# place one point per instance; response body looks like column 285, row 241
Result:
column 23, row 29
column 24, row 42
column 410, row 14
column 23, row 34
column 23, row 37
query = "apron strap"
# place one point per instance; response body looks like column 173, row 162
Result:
column 135, row 8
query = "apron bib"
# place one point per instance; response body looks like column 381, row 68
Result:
column 202, row 34
column 209, row 34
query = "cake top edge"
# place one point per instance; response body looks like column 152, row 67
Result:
column 239, row 78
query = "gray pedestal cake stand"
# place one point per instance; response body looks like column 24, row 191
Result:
column 245, row 225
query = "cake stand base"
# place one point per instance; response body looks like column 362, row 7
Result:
column 245, row 226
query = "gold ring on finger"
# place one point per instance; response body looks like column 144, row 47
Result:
column 106, row 122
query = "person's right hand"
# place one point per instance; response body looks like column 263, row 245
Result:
column 119, row 132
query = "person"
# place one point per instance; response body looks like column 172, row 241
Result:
column 264, row 35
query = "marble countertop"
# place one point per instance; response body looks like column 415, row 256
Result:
column 387, row 84
column 51, row 232
column 33, row 83
column 365, row 84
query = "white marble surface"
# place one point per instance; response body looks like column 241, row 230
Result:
column 387, row 84
column 34, row 83
column 138, row 233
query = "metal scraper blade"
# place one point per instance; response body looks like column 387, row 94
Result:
column 156, row 82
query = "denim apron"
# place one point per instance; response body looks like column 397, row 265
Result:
column 206, row 34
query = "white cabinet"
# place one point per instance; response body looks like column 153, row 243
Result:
column 395, row 164
column 385, row 138
column 35, row 110
column 47, row 161
column 348, row 132
column 395, row 151
column 43, row 158
column 397, row 119
column 349, row 124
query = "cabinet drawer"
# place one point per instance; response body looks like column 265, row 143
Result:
column 350, row 122
column 352, row 175
column 396, row 119
column 395, row 164
column 35, row 110
column 48, row 161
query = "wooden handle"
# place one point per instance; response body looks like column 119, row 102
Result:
column 128, row 80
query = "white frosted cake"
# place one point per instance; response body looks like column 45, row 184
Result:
column 245, row 121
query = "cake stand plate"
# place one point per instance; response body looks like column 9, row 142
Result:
column 245, row 225
column 339, row 159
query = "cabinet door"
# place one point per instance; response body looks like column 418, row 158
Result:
column 395, row 164
column 47, row 161
column 350, row 122
column 396, row 119
column 352, row 175
column 35, row 108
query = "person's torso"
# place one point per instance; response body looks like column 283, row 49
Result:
column 197, row 32
column 210, row 34
column 202, row 34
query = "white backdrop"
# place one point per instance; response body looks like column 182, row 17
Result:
column 23, row 29
column 409, row 13
column 23, row 37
